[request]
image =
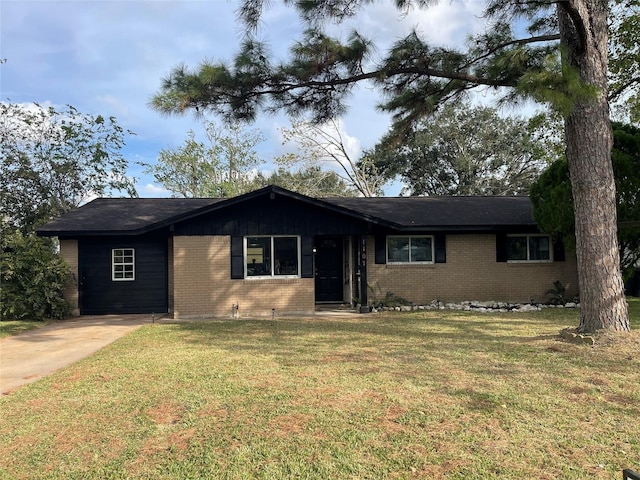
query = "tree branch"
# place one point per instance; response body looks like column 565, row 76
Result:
column 379, row 75
column 519, row 41
column 618, row 91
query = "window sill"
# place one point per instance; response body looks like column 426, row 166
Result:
column 274, row 277
column 410, row 264
column 529, row 262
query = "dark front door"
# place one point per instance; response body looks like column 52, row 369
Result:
column 328, row 264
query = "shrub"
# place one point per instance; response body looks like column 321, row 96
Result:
column 33, row 277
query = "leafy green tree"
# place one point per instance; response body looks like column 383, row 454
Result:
column 464, row 150
column 312, row 181
column 224, row 167
column 560, row 59
column 553, row 202
column 624, row 51
column 53, row 160
column 33, row 277
column 326, row 145
column 186, row 171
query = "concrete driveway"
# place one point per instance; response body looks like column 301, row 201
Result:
column 32, row 355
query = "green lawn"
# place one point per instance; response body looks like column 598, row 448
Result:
column 412, row 395
column 14, row 327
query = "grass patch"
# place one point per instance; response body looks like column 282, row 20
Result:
column 415, row 395
column 15, row 327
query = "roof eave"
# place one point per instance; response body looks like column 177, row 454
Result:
column 469, row 228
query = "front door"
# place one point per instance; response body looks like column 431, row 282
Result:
column 328, row 265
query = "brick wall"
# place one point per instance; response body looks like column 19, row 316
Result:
column 203, row 286
column 471, row 273
column 69, row 252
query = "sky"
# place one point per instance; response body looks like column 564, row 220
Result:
column 108, row 57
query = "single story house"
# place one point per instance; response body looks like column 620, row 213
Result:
column 276, row 250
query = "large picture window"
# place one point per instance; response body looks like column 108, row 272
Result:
column 272, row 256
column 123, row 264
column 410, row 249
column 528, row 248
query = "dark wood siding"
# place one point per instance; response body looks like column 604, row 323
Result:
column 100, row 295
column 278, row 216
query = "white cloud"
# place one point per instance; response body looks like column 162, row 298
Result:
column 150, row 190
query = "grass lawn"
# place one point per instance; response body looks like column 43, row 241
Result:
column 14, row 327
column 412, row 395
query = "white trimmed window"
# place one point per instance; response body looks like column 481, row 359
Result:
column 528, row 248
column 410, row 249
column 272, row 256
column 123, row 266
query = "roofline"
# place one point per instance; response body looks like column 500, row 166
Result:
column 516, row 228
column 272, row 190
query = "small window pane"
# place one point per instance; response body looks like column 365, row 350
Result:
column 258, row 256
column 272, row 256
column 421, row 250
column 285, row 255
column 123, row 264
column 398, row 249
column 539, row 248
column 517, row 248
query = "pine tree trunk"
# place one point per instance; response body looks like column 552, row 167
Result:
column 584, row 32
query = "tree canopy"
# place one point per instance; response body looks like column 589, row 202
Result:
column 310, row 180
column 465, row 150
column 414, row 76
column 223, row 167
column 553, row 52
column 54, row 159
column 553, row 202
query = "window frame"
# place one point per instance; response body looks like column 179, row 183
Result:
column 528, row 237
column 271, row 274
column 123, row 264
column 410, row 262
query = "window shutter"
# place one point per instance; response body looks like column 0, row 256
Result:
column 501, row 247
column 440, row 248
column 237, row 257
column 306, row 254
column 558, row 251
column 381, row 249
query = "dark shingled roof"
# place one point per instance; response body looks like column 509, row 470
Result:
column 444, row 211
column 141, row 215
column 124, row 215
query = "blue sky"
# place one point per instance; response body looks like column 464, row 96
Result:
column 108, row 57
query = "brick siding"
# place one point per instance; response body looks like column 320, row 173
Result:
column 203, row 286
column 471, row 273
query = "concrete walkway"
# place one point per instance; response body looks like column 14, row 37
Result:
column 37, row 353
